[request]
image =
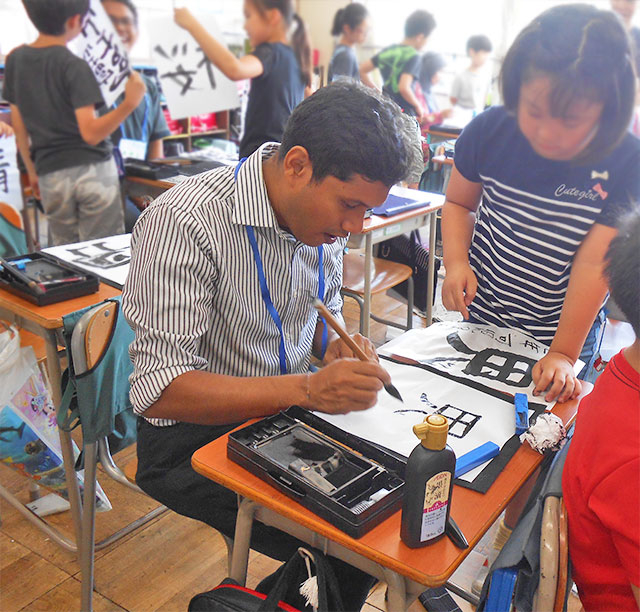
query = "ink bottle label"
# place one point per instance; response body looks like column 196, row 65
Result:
column 436, row 501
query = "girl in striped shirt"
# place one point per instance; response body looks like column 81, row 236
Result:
column 538, row 186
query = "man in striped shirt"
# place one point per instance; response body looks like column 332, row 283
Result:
column 220, row 293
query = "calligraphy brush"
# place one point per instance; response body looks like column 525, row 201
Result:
column 23, row 278
column 349, row 341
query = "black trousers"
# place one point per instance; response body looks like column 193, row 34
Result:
column 165, row 473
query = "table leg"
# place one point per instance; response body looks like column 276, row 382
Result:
column 396, row 590
column 55, row 376
column 242, row 540
column 368, row 264
column 431, row 266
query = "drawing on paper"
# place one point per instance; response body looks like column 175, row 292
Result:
column 491, row 363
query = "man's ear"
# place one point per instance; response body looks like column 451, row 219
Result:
column 297, row 166
column 73, row 22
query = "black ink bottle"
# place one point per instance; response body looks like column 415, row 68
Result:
column 428, row 484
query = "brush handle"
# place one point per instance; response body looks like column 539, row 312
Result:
column 341, row 331
column 20, row 276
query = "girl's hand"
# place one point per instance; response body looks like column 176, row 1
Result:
column 554, row 374
column 184, row 18
column 459, row 288
column 337, row 349
column 5, row 130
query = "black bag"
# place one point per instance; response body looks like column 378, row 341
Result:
column 278, row 591
column 408, row 250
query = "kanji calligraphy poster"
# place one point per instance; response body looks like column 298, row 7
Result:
column 100, row 46
column 191, row 84
column 10, row 190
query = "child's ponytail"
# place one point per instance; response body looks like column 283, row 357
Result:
column 301, row 46
column 300, row 42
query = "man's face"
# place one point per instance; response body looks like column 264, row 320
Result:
column 324, row 211
column 123, row 21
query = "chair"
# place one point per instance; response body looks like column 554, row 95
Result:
column 12, row 237
column 384, row 275
column 99, row 371
column 532, row 570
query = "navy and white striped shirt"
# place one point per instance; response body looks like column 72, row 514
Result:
column 193, row 296
column 534, row 215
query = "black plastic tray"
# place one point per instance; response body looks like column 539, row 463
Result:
column 43, row 267
column 344, row 479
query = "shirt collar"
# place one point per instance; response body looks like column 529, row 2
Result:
column 252, row 204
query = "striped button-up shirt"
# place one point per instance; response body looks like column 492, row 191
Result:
column 193, row 295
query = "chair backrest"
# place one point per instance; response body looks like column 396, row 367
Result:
column 12, row 237
column 97, row 394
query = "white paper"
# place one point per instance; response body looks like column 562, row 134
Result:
column 474, row 416
column 496, row 357
column 191, row 84
column 100, row 46
column 108, row 258
column 10, row 190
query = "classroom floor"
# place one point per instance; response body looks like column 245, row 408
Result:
column 161, row 565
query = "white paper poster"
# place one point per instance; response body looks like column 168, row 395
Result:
column 107, row 258
column 191, row 84
column 496, row 357
column 100, row 46
column 10, row 190
column 474, row 416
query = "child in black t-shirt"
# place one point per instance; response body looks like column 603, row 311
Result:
column 279, row 69
column 53, row 95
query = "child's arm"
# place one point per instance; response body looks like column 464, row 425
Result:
column 95, row 129
column 5, row 129
column 405, row 88
column 366, row 67
column 458, row 217
column 236, row 69
column 22, row 140
column 585, row 295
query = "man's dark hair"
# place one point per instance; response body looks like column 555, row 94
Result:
column 130, row 5
column 623, row 268
column 419, row 22
column 479, row 42
column 349, row 129
column 587, row 55
column 50, row 16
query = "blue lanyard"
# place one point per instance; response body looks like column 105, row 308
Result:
column 266, row 295
column 144, row 120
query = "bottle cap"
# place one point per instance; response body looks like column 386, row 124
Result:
column 433, row 432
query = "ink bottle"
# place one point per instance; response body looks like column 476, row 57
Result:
column 428, row 484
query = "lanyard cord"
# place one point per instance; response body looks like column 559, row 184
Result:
column 145, row 120
column 266, row 295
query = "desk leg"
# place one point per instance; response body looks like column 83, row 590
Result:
column 242, row 540
column 55, row 377
column 368, row 264
column 431, row 267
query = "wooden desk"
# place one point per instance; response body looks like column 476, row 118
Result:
column 376, row 229
column 137, row 187
column 379, row 552
column 46, row 322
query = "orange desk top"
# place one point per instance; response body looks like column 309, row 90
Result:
column 432, row 565
column 50, row 317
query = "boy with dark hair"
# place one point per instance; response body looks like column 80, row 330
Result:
column 400, row 64
column 53, row 96
column 211, row 350
column 601, row 478
column 470, row 88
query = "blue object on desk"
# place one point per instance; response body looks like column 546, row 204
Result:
column 476, row 457
column 503, row 582
column 522, row 412
column 395, row 204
